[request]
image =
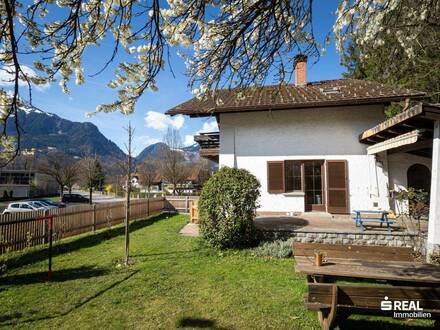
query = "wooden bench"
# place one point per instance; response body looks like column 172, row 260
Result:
column 380, row 217
column 375, row 253
column 334, row 303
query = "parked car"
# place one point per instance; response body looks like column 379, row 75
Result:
column 74, row 198
column 57, row 204
column 49, row 204
column 43, row 204
column 23, row 207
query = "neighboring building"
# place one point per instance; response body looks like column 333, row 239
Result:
column 156, row 185
column 24, row 184
column 307, row 143
column 192, row 183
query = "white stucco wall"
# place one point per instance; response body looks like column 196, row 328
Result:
column 249, row 140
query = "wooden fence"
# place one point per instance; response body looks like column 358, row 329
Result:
column 21, row 230
column 181, row 204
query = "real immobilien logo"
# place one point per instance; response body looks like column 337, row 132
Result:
column 404, row 308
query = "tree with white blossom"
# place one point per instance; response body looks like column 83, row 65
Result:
column 236, row 43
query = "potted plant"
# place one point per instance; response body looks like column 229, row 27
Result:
column 319, row 258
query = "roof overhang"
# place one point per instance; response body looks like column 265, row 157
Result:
column 396, row 142
column 409, row 131
column 208, row 112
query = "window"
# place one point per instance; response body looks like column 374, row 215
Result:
column 293, row 175
column 16, row 177
column 313, row 182
column 296, row 175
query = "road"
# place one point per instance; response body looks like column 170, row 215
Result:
column 99, row 198
column 96, row 198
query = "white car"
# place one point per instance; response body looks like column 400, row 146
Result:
column 23, row 207
column 43, row 204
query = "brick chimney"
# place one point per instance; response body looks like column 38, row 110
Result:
column 300, row 70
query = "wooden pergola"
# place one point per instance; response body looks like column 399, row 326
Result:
column 415, row 131
column 209, row 145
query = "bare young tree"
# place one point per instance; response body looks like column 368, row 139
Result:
column 173, row 166
column 61, row 168
column 128, row 171
column 205, row 171
column 71, row 174
column 91, row 174
column 147, row 172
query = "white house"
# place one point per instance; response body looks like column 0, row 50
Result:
column 322, row 146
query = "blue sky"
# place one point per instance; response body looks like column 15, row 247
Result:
column 149, row 123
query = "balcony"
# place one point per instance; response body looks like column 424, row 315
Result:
column 209, row 145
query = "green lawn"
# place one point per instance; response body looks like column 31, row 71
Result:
column 174, row 282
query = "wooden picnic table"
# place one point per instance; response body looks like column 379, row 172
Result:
column 338, row 268
column 334, row 301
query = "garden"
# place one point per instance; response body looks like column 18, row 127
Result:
column 172, row 281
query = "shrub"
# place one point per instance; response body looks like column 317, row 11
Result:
column 435, row 257
column 275, row 249
column 227, row 208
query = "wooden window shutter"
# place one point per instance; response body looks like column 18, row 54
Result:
column 337, row 186
column 275, row 177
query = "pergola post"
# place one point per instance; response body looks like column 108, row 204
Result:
column 434, row 206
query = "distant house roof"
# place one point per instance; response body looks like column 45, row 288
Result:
column 157, row 179
column 316, row 94
column 193, row 175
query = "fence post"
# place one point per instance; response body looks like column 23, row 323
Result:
column 45, row 228
column 94, row 218
column 186, row 204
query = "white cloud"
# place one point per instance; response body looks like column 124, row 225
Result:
column 210, row 126
column 161, row 122
column 7, row 77
column 147, row 140
column 189, row 140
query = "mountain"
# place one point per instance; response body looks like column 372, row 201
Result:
column 154, row 150
column 45, row 131
column 194, row 149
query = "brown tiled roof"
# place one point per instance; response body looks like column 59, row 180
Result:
column 194, row 174
column 318, row 94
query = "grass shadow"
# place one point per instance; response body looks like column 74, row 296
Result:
column 58, row 276
column 83, row 242
column 379, row 325
column 198, row 323
column 165, row 255
column 11, row 319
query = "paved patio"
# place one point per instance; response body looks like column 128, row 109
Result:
column 321, row 221
column 190, row 229
column 317, row 222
